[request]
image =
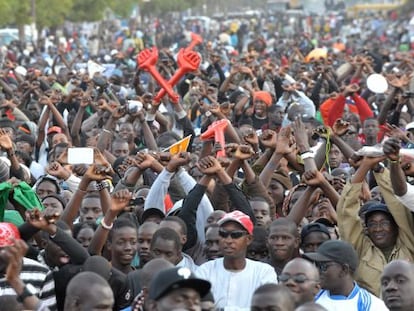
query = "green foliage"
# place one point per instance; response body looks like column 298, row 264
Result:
column 13, row 10
column 87, row 10
column 122, row 8
column 51, row 13
column 165, row 6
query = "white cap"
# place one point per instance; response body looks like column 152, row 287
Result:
column 409, row 126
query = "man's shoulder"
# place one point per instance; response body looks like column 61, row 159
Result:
column 376, row 303
column 32, row 265
column 259, row 266
column 212, row 263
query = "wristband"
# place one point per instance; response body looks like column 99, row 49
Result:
column 107, row 131
column 307, row 155
column 105, row 226
column 102, row 185
column 149, row 117
column 395, row 161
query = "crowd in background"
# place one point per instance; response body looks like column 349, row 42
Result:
column 280, row 178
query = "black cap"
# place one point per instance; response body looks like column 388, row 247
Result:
column 175, row 278
column 313, row 227
column 26, row 138
column 325, row 221
column 374, row 206
column 152, row 211
column 336, row 251
column 5, row 122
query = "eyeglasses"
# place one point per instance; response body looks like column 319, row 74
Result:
column 386, row 224
column 324, row 266
column 233, row 234
column 297, row 278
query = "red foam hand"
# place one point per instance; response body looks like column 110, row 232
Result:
column 188, row 61
column 216, row 131
column 195, row 40
column 147, row 59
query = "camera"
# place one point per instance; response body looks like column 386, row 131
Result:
column 132, row 106
column 137, row 201
column 100, row 84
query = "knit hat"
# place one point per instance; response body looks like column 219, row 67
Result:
column 283, row 178
column 264, row 97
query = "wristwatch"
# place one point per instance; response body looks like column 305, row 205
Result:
column 28, row 290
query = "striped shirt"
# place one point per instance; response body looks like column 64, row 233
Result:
column 358, row 300
column 40, row 277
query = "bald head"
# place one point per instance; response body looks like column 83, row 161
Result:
column 88, row 291
column 269, row 296
column 152, row 268
column 301, row 265
column 305, row 271
column 148, row 226
column 397, row 280
column 311, row 306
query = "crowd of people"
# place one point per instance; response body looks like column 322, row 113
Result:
column 277, row 175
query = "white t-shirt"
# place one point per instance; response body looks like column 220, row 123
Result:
column 358, row 300
column 233, row 290
column 187, row 262
column 408, row 198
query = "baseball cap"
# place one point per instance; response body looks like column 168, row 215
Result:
column 325, row 221
column 152, row 211
column 175, row 278
column 26, row 138
column 336, row 251
column 54, row 130
column 240, row 218
column 8, row 232
column 313, row 227
column 374, row 206
column 409, row 126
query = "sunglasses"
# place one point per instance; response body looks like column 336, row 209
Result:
column 297, row 278
column 324, row 266
column 237, row 234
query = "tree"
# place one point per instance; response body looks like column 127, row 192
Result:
column 87, row 10
column 122, row 8
column 7, row 11
column 52, row 13
column 166, row 6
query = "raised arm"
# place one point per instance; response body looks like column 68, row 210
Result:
column 118, row 201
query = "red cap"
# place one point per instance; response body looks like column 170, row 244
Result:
column 54, row 130
column 8, row 232
column 240, row 218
